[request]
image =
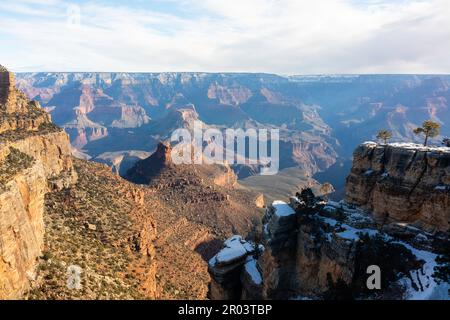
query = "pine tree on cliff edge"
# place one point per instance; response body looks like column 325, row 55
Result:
column 384, row 135
column 430, row 129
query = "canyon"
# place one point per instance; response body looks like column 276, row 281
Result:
column 127, row 240
column 138, row 226
column 110, row 116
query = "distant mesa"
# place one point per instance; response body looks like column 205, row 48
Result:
column 146, row 169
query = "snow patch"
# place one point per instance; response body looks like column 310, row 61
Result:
column 410, row 146
column 234, row 249
column 331, row 222
column 282, row 209
column 351, row 233
column 252, row 270
column 422, row 286
column 419, row 147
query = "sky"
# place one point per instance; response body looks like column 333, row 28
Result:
column 272, row 36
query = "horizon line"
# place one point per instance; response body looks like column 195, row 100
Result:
column 245, row 72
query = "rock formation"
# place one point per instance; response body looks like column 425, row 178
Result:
column 57, row 213
column 149, row 168
column 402, row 183
column 50, row 220
column 16, row 111
column 235, row 260
column 7, row 90
column 320, row 249
column 35, row 158
column 205, row 194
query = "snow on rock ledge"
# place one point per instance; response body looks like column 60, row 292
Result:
column 235, row 249
column 227, row 265
column 282, row 209
column 279, row 217
column 409, row 146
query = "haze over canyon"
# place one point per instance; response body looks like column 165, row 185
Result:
column 118, row 118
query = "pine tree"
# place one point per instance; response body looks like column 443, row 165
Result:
column 430, row 129
column 384, row 135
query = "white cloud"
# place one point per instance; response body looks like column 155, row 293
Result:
column 279, row 36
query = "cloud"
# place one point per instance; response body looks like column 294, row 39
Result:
column 278, row 36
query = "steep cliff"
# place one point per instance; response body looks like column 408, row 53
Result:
column 35, row 158
column 403, row 183
column 319, row 249
column 323, row 250
column 59, row 220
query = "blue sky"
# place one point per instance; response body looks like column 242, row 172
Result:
column 276, row 36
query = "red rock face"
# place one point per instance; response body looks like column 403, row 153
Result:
column 163, row 153
column 8, row 93
column 36, row 157
column 82, row 136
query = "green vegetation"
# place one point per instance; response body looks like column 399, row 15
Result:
column 109, row 261
column 430, row 129
column 384, row 135
column 14, row 163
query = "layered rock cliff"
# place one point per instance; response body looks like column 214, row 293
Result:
column 59, row 215
column 35, row 158
column 319, row 249
column 402, row 183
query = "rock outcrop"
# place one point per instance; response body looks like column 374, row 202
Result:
column 234, row 264
column 35, row 158
column 16, row 111
column 147, row 169
column 322, row 251
column 403, row 183
column 205, row 194
column 55, row 215
column 319, row 249
column 204, row 206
